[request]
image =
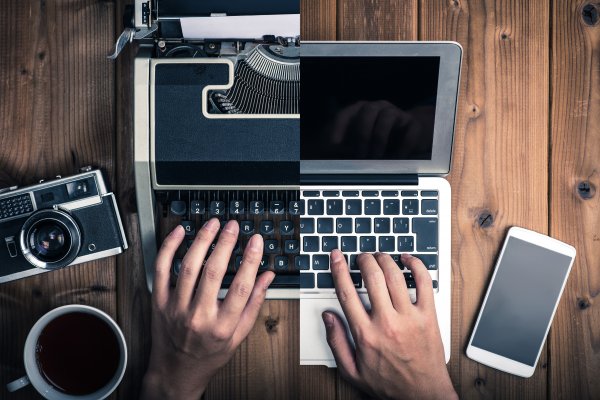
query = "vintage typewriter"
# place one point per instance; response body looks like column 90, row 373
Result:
column 216, row 97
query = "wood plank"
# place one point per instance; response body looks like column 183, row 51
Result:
column 266, row 365
column 377, row 20
column 499, row 173
column 133, row 297
column 54, row 118
column 318, row 19
column 575, row 136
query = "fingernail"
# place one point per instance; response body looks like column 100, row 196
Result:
column 327, row 319
column 178, row 231
column 212, row 225
column 269, row 281
column 406, row 256
column 255, row 243
column 231, row 227
column 336, row 256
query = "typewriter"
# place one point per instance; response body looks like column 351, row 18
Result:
column 216, row 125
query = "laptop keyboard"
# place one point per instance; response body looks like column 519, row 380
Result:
column 274, row 214
column 366, row 221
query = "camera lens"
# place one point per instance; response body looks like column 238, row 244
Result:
column 49, row 241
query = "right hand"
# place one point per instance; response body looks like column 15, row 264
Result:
column 399, row 352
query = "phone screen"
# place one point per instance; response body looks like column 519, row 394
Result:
column 521, row 301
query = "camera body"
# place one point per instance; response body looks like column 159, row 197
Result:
column 57, row 223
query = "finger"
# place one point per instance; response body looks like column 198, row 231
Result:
column 192, row 263
column 371, row 272
column 252, row 309
column 395, row 281
column 243, row 283
column 337, row 339
column 422, row 281
column 164, row 260
column 216, row 266
column 346, row 292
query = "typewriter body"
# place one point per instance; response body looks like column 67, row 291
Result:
column 216, row 121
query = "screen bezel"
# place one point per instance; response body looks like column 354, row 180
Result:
column 495, row 360
column 450, row 54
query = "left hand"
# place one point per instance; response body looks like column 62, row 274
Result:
column 193, row 333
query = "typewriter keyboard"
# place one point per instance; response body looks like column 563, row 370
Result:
column 274, row 214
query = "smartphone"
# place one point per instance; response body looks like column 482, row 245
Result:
column 520, row 302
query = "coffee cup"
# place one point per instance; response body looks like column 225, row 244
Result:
column 74, row 352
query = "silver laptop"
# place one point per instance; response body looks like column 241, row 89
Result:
column 377, row 129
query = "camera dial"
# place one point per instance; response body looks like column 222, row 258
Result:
column 50, row 239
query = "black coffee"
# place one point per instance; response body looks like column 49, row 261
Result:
column 78, row 353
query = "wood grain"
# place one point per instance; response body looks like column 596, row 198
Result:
column 56, row 115
column 318, row 19
column 377, row 20
column 499, row 163
column 575, row 334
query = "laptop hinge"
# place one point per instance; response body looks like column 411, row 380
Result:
column 359, row 179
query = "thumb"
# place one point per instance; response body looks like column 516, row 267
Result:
column 342, row 350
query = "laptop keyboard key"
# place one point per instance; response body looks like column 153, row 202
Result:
column 410, row 207
column 368, row 244
column 353, row 264
column 429, row 193
column 343, row 225
column 400, row 225
column 329, row 243
column 350, row 193
column 391, row 207
column 406, row 244
column 362, row 225
column 331, row 193
column 370, row 193
column 310, row 193
column 316, row 207
column 320, row 262
column 356, row 279
column 426, row 230
column 429, row 207
column 325, row 225
column 348, row 244
column 307, row 225
column 335, row 207
column 372, row 207
column 310, row 244
column 353, row 207
column 302, row 262
column 325, row 281
column 382, row 225
column 430, row 260
column 307, row 280
column 386, row 244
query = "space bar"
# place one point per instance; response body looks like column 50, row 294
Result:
column 281, row 281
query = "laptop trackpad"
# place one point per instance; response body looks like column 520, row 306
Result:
column 314, row 349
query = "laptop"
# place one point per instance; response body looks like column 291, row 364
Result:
column 377, row 129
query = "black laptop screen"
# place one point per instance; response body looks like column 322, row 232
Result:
column 368, row 108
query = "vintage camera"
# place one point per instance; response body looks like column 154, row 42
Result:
column 57, row 223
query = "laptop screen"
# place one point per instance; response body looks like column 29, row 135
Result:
column 368, row 108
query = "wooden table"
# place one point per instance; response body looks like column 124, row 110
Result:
column 527, row 152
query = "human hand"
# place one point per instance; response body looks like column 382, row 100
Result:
column 398, row 350
column 193, row 333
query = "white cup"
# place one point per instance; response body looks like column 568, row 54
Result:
column 34, row 376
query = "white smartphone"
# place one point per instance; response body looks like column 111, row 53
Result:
column 529, row 278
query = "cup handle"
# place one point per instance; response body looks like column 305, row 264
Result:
column 18, row 384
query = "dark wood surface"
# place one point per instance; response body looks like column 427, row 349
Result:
column 528, row 136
